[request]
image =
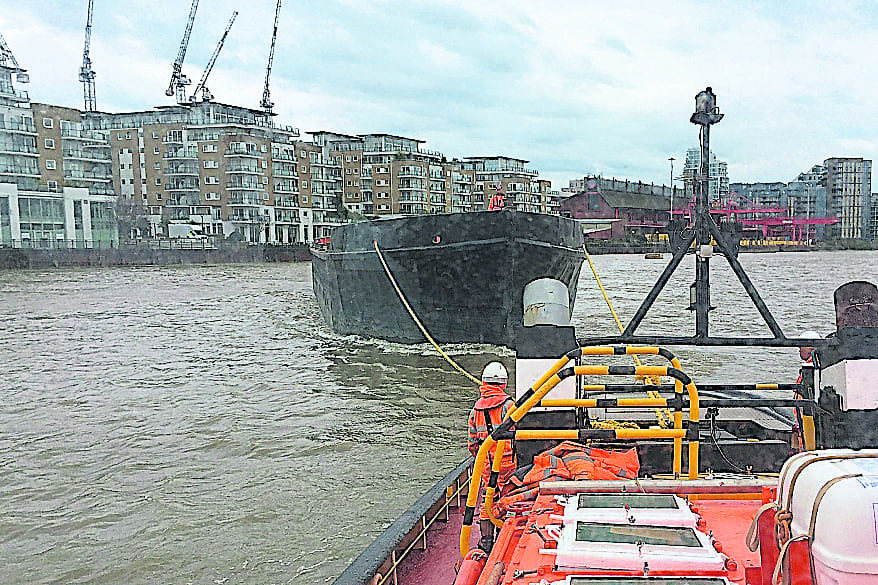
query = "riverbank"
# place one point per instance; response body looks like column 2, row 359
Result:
column 151, row 254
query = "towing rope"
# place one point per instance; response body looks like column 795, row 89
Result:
column 418, row 321
column 663, row 416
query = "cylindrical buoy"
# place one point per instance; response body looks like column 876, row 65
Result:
column 471, row 567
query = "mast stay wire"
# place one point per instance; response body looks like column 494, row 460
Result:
column 662, row 416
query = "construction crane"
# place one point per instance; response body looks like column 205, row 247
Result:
column 206, row 96
column 266, row 103
column 86, row 73
column 178, row 80
column 7, row 61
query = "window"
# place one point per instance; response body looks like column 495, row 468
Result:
column 355, row 157
column 211, row 181
column 303, row 154
column 304, row 183
column 350, row 183
column 48, row 123
column 128, row 135
column 304, row 169
column 356, row 171
column 53, row 185
column 265, row 180
column 155, row 150
column 158, row 196
column 50, row 143
column 265, row 196
column 158, row 166
column 158, row 181
column 262, row 148
column 211, row 196
column 118, row 137
column 211, row 164
column 50, row 164
column 264, row 165
column 155, row 134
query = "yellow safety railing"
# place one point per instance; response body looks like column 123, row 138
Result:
column 552, row 378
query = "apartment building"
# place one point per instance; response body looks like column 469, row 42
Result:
column 718, row 186
column 55, row 185
column 848, row 183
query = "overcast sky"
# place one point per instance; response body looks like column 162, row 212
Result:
column 574, row 87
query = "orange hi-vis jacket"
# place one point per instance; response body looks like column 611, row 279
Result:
column 489, row 411
column 497, row 201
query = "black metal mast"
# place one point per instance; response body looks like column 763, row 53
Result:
column 703, row 233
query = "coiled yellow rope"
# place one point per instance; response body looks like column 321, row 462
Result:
column 663, row 416
column 418, row 321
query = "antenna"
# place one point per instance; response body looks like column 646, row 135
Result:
column 86, row 73
column 266, row 102
column 178, row 80
column 206, row 96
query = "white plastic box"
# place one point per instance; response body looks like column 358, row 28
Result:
column 845, row 541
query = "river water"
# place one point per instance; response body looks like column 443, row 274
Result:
column 200, row 424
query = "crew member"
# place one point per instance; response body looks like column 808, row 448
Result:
column 489, row 411
column 497, row 201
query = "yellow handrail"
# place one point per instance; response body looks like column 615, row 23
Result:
column 551, row 379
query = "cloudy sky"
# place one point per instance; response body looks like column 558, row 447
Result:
column 575, row 87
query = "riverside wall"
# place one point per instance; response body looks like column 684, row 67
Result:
column 149, row 255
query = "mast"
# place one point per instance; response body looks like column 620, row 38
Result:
column 178, row 80
column 86, row 73
column 206, row 96
column 266, row 102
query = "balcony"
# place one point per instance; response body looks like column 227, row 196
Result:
column 242, row 186
column 21, row 149
column 86, row 176
column 184, row 200
column 282, row 188
column 287, row 173
column 84, row 135
column 285, row 201
column 276, row 155
column 243, row 169
column 243, row 152
column 182, row 186
column 19, row 170
column 248, row 216
column 182, row 154
column 87, row 156
column 245, row 199
column 15, row 126
column 184, row 169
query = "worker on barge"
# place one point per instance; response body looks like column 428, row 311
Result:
column 489, row 411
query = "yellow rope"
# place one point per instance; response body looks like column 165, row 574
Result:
column 418, row 321
column 662, row 416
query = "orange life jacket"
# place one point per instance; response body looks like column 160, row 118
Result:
column 489, row 411
column 497, row 201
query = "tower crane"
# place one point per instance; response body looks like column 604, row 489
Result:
column 86, row 73
column 7, row 61
column 266, row 102
column 178, row 80
column 206, row 96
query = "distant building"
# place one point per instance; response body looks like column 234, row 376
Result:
column 635, row 208
column 718, row 189
column 795, row 210
column 55, row 176
column 849, row 190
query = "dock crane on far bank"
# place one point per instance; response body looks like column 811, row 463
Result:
column 266, row 102
column 86, row 73
column 178, row 80
column 206, row 96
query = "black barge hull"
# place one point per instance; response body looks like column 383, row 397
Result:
column 463, row 274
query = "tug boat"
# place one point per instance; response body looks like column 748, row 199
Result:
column 694, row 484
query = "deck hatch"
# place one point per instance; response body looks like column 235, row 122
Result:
column 654, row 501
column 647, row 535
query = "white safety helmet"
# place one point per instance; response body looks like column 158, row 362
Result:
column 494, row 373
